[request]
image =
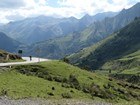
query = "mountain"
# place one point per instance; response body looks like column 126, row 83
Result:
column 59, row 47
column 87, row 19
column 7, row 43
column 116, row 46
column 42, row 28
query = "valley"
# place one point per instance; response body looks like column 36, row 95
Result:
column 60, row 47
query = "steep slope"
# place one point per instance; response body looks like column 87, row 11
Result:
column 121, row 43
column 7, row 43
column 76, row 41
column 101, row 29
column 6, row 56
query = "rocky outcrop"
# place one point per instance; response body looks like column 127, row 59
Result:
column 5, row 56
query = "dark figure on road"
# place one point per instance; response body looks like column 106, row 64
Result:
column 30, row 58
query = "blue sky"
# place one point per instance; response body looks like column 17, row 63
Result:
column 13, row 10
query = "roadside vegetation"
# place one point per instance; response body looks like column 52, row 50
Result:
column 9, row 57
column 59, row 80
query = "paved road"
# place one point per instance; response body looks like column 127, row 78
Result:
column 27, row 61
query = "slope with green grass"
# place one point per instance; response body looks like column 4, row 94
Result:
column 116, row 46
column 126, row 68
column 59, row 80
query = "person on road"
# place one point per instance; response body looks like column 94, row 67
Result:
column 30, row 58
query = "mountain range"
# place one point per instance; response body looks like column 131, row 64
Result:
column 59, row 47
column 32, row 30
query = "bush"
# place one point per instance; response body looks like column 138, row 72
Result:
column 50, row 94
column 74, row 82
column 72, row 91
column 3, row 92
column 53, row 88
column 65, row 85
column 58, row 79
column 85, row 89
column 49, row 77
column 66, row 95
column 65, row 80
column 66, row 60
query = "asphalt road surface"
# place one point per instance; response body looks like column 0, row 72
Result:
column 27, row 61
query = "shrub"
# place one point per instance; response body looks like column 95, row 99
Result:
column 65, row 85
column 53, row 88
column 72, row 91
column 58, row 79
column 66, row 95
column 135, row 95
column 65, row 80
column 74, row 82
column 66, row 60
column 49, row 77
column 50, row 94
column 85, row 89
column 3, row 92
column 110, row 79
column 106, row 86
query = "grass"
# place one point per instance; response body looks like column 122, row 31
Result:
column 54, row 68
column 30, row 81
column 17, row 85
column 76, row 57
column 134, row 55
column 126, row 68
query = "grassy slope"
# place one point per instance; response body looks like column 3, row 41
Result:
column 16, row 84
column 21, row 86
column 127, row 68
column 77, row 57
column 126, row 62
column 125, row 42
column 12, row 57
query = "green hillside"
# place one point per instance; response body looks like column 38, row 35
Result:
column 7, row 57
column 118, row 45
column 58, row 80
column 127, row 68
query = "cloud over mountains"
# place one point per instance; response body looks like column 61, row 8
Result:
column 12, row 10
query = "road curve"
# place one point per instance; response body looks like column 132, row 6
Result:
column 27, row 61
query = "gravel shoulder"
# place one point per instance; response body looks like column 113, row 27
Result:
column 7, row 101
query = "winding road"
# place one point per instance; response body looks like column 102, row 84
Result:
column 27, row 61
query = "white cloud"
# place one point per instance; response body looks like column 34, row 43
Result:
column 94, row 6
column 16, row 9
column 12, row 3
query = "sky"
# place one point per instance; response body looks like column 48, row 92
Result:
column 14, row 10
